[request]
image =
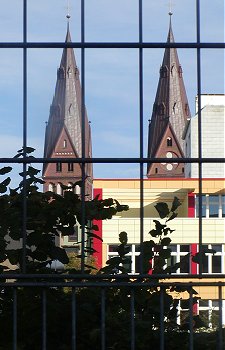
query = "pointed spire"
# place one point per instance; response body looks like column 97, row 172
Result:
column 65, row 113
column 170, row 109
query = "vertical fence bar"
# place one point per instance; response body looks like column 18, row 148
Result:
column 191, row 338
column 141, row 133
column 24, row 203
column 132, row 318
column 220, row 347
column 161, row 331
column 14, row 318
column 199, row 130
column 102, row 318
column 73, row 307
column 44, row 320
column 83, row 165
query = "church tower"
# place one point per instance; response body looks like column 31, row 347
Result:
column 63, row 136
column 169, row 115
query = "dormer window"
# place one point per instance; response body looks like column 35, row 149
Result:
column 163, row 72
column 61, row 73
column 172, row 69
column 180, row 71
column 169, row 141
column 69, row 71
column 58, row 167
column 70, row 166
column 186, row 108
column 162, row 109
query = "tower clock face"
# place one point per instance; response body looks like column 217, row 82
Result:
column 171, row 165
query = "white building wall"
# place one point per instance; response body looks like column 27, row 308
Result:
column 213, row 137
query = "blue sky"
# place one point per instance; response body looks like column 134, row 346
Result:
column 111, row 75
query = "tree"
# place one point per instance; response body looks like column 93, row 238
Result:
column 48, row 216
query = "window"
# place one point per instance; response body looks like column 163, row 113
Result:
column 162, row 109
column 64, row 143
column 132, row 265
column 223, row 205
column 70, row 166
column 169, row 142
column 213, row 206
column 58, row 167
column 179, row 255
column 209, row 312
column 74, row 236
column 203, row 206
column 213, row 263
column 163, row 72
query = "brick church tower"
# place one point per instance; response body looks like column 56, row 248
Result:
column 169, row 116
column 63, row 136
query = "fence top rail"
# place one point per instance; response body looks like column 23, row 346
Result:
column 120, row 277
column 109, row 284
column 116, row 45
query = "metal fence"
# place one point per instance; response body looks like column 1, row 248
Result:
column 43, row 286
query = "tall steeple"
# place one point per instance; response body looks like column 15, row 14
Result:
column 169, row 115
column 63, row 137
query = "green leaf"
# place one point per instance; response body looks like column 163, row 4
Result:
column 5, row 170
column 123, row 237
column 6, row 182
column 158, row 226
column 114, row 261
column 123, row 250
column 58, row 253
column 95, row 227
column 153, row 233
column 162, row 209
column 93, row 235
column 165, row 253
column 32, row 171
column 176, row 203
column 173, row 216
column 13, row 256
column 165, row 241
column 167, row 230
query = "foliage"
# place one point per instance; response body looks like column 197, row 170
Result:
column 50, row 215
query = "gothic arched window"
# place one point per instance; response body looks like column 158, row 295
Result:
column 61, row 73
column 162, row 109
column 163, row 72
column 169, row 141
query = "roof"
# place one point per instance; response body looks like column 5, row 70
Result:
column 66, row 108
column 171, row 104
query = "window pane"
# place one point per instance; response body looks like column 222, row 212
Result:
column 205, row 267
column 217, row 247
column 127, row 264
column 213, row 206
column 203, row 206
column 185, row 265
column 216, row 264
column 137, row 264
column 223, row 206
column 184, row 248
column 112, row 248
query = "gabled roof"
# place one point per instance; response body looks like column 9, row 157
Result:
column 171, row 104
column 66, row 107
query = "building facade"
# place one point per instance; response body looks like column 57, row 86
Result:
column 212, row 137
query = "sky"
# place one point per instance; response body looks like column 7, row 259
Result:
column 111, row 75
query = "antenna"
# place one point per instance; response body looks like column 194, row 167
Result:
column 171, row 3
column 68, row 10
